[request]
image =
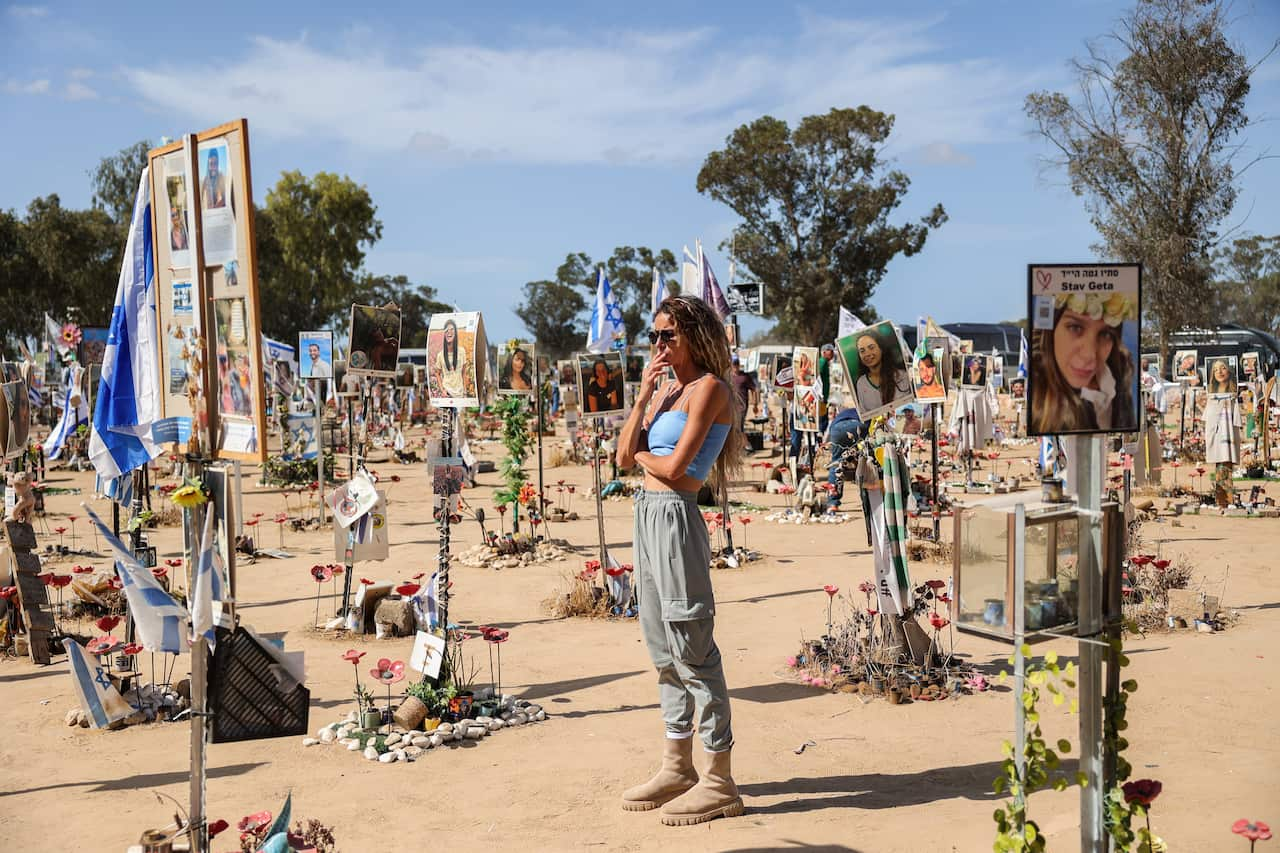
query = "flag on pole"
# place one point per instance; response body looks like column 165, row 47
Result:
column 129, row 393
column 1022, row 354
column 849, row 323
column 75, row 411
column 54, row 332
column 606, row 317
column 161, row 622
column 98, row 696
column 690, row 273
column 660, row 290
column 426, row 603
column 208, row 583
column 710, row 288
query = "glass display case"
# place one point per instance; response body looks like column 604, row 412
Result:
column 985, row 572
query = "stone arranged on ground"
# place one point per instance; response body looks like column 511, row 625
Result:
column 400, row 745
column 487, row 557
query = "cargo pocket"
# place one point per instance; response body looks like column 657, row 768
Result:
column 685, row 567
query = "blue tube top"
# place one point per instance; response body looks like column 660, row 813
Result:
column 665, row 432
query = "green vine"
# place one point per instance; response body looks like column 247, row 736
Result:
column 1015, row 832
column 517, row 441
column 1119, row 814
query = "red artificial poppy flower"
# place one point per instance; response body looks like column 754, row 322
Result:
column 59, row 581
column 407, row 590
column 419, row 576
column 935, row 584
column 1254, row 830
column 132, row 648
column 8, row 592
column 281, row 518
column 831, row 590
column 496, row 636
column 255, row 823
column 253, row 522
column 217, row 827
column 259, row 514
column 938, row 621
column 1140, row 559
column 46, row 578
column 366, row 581
column 321, row 573
column 627, row 567
column 337, row 569
column 744, row 519
column 160, row 572
column 116, row 583
column 59, row 530
column 82, row 570
column 502, row 509
column 102, row 645
column 592, row 565
column 1162, row 564
column 614, row 572
column 944, row 598
column 107, row 623
column 388, row 671
column 866, row 586
column 1142, row 791
column 352, row 656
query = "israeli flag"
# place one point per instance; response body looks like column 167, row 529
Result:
column 711, row 292
column 73, row 413
column 98, row 696
column 118, row 489
column 426, row 604
column 1048, row 456
column 208, row 583
column 129, row 393
column 161, row 621
column 660, row 290
column 606, row 318
column 1022, row 354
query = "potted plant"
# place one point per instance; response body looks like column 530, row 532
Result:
column 417, row 705
column 370, row 717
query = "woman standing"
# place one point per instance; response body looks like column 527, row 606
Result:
column 682, row 436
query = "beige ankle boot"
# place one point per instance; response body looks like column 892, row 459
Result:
column 672, row 779
column 714, row 796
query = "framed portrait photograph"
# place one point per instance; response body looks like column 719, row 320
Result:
column 783, row 376
column 93, row 344
column 974, row 371
column 566, row 373
column 374, row 347
column 405, row 375
column 876, row 363
column 804, row 365
column 1185, row 364
column 346, row 383
column 928, row 374
column 315, row 354
column 1250, row 363
column 1018, row 388
column 454, row 372
column 516, row 367
column 1084, row 361
column 635, row 367
column 1149, row 364
column 804, row 409
column 1221, row 375
column 600, row 383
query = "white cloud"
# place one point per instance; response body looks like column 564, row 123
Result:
column 28, row 11
column 944, row 154
column 33, row 87
column 607, row 98
column 77, row 91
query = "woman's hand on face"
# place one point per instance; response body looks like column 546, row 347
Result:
column 653, row 374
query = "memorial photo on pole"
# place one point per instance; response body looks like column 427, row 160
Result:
column 1150, row 364
column 1221, row 377
column 875, row 361
column 516, row 367
column 454, row 373
column 600, row 382
column 1249, row 366
column 1185, row 362
column 315, row 354
column 375, row 340
column 1084, row 348
column 975, row 371
column 928, row 377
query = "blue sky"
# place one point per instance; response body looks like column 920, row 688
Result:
column 497, row 137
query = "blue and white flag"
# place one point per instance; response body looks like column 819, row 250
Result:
column 660, row 290
column 426, row 603
column 606, row 318
column 208, row 582
column 128, row 401
column 711, row 292
column 118, row 489
column 161, row 622
column 75, row 411
column 98, row 696
column 1022, row 354
column 1049, row 456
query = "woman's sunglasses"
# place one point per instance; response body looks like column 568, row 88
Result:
column 666, row 336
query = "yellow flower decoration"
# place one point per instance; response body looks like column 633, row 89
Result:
column 1111, row 308
column 189, row 496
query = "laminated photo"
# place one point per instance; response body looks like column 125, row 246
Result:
column 875, row 362
column 928, row 373
column 374, row 345
column 1185, row 363
column 1084, row 370
column 217, row 205
column 516, row 367
column 1221, row 376
column 975, row 370
column 315, row 354
column 454, row 373
column 600, row 383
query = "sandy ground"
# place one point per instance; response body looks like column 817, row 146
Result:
column 881, row 778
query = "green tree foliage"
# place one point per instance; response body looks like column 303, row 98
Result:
column 1248, row 282
column 552, row 312
column 115, row 183
column 815, row 204
column 1150, row 143
column 417, row 303
column 312, row 235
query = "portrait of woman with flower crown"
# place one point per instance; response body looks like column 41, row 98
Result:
column 1084, row 368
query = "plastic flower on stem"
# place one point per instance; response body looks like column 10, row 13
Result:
column 408, row 590
column 255, row 824
column 1142, row 791
column 938, row 621
column 217, row 827
column 189, row 496
column 107, row 623
column 82, row 570
column 103, row 645
column 388, row 671
column 132, row 648
column 321, row 573
column 1254, row 830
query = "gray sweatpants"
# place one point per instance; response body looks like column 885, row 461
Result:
column 677, row 615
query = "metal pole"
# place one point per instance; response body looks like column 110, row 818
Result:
column 442, row 579
column 933, row 423
column 537, row 386
column 1019, row 639
column 319, row 410
column 1087, row 479
column 595, row 469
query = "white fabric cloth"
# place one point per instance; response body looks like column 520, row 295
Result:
column 1221, row 430
column 971, row 419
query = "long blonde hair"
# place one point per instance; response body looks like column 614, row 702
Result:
column 709, row 347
